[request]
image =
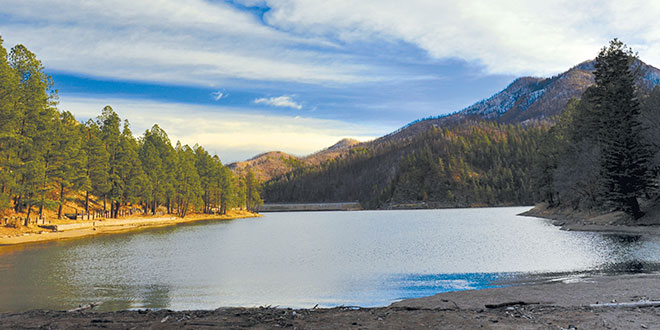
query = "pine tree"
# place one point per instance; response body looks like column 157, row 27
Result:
column 159, row 164
column 68, row 170
column 228, row 190
column 252, row 199
column 9, row 138
column 624, row 156
column 97, row 165
column 109, row 123
column 132, row 176
column 188, row 184
column 35, row 114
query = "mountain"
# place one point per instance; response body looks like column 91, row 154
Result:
column 480, row 155
column 338, row 149
column 276, row 163
column 528, row 99
column 267, row 165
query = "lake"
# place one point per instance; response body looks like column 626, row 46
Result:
column 365, row 258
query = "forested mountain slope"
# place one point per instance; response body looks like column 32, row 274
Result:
column 475, row 163
column 481, row 155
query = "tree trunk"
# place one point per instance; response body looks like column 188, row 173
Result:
column 17, row 203
column 27, row 217
column 59, row 210
column 87, row 204
column 43, row 193
column 41, row 206
column 634, row 208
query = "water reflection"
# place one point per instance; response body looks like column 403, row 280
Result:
column 623, row 239
column 367, row 258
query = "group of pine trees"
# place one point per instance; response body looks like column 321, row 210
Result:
column 47, row 157
column 600, row 154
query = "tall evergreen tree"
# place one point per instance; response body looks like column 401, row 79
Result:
column 98, row 163
column 35, row 115
column 252, row 198
column 68, row 170
column 9, row 138
column 109, row 123
column 131, row 173
column 624, row 155
column 159, row 164
column 188, row 184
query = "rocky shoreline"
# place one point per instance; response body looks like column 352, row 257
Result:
column 614, row 222
column 605, row 302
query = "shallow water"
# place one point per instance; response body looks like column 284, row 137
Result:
column 365, row 258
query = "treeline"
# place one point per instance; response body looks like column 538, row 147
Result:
column 47, row 157
column 474, row 163
column 602, row 155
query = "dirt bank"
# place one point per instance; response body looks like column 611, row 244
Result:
column 614, row 222
column 114, row 226
column 543, row 306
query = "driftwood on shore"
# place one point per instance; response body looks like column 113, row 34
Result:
column 511, row 303
column 85, row 307
column 634, row 304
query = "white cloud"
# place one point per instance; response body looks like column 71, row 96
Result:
column 171, row 41
column 283, row 101
column 207, row 43
column 218, row 95
column 232, row 133
column 508, row 36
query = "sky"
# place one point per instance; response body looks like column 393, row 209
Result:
column 242, row 77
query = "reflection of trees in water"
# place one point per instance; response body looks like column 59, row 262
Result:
column 623, row 239
column 631, row 267
column 625, row 258
column 622, row 248
column 624, row 255
column 131, row 296
column 156, row 296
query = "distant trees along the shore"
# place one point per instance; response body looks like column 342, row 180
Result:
column 48, row 158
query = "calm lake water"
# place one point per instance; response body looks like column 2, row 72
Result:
column 365, row 258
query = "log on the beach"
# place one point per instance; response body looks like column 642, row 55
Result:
column 85, row 307
column 629, row 304
column 511, row 303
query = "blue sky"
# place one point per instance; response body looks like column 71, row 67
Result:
column 242, row 77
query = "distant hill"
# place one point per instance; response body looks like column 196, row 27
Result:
column 480, row 155
column 276, row 163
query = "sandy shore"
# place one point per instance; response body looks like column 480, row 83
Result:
column 542, row 306
column 121, row 225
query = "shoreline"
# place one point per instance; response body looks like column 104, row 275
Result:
column 612, row 301
column 123, row 225
column 614, row 222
